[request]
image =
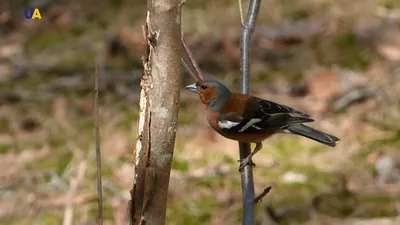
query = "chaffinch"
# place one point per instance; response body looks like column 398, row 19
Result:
column 249, row 119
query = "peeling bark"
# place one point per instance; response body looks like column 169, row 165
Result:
column 159, row 105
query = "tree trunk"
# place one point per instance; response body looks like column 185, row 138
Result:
column 159, row 105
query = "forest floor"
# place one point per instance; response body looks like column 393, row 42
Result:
column 335, row 60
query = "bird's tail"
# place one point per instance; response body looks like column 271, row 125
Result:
column 311, row 133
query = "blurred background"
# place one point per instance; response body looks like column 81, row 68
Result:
column 336, row 60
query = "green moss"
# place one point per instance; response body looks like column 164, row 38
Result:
column 294, row 198
column 81, row 60
column 45, row 218
column 208, row 183
column 107, row 211
column 4, row 148
column 49, row 218
column 58, row 161
column 389, row 4
column 316, row 181
column 199, row 4
column 180, row 165
column 278, row 70
column 289, row 147
column 229, row 160
column 290, row 212
column 63, row 162
column 295, row 11
column 350, row 53
column 132, row 115
column 378, row 199
column 192, row 211
column 4, row 125
column 340, row 204
column 342, row 49
column 107, row 170
column 47, row 39
column 376, row 205
column 264, row 75
column 20, row 146
column 216, row 182
column 393, row 141
column 186, row 115
column 299, row 14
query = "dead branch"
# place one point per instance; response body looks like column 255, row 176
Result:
column 262, row 194
column 74, row 183
column 241, row 12
column 98, row 152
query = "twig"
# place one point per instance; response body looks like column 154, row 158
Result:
column 262, row 194
column 98, row 152
column 74, row 183
column 247, row 172
column 247, row 30
column 195, row 70
column 241, row 12
column 187, row 67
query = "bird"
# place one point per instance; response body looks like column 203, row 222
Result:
column 247, row 118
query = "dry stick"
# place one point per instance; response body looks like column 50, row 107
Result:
column 241, row 12
column 197, row 72
column 261, row 195
column 189, row 70
column 74, row 183
column 247, row 172
column 98, row 155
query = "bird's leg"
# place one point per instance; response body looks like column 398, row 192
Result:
column 247, row 160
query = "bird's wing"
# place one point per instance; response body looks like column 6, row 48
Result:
column 276, row 115
column 233, row 122
column 260, row 115
column 229, row 121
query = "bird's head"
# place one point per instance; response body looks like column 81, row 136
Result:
column 211, row 92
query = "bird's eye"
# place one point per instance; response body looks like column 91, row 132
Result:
column 203, row 86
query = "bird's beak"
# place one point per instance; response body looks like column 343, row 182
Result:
column 192, row 87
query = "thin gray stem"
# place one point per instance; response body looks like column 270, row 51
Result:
column 98, row 152
column 247, row 172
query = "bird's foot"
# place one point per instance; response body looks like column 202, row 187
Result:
column 246, row 161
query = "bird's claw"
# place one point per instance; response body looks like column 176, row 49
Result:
column 244, row 162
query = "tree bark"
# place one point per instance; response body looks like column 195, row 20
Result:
column 159, row 105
